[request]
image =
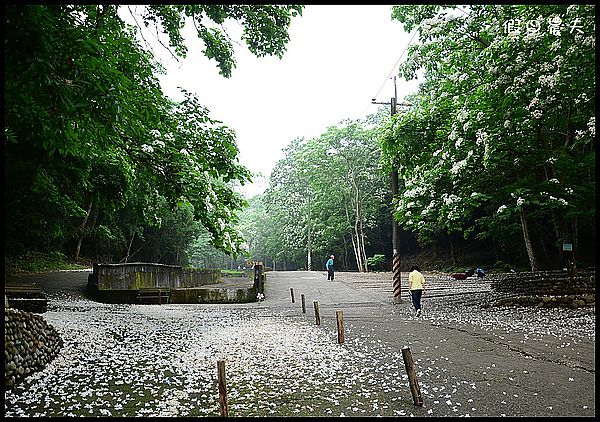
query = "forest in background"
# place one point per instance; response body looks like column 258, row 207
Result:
column 496, row 152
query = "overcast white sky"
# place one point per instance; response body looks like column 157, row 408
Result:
column 337, row 59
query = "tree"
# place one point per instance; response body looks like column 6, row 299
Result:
column 339, row 170
column 501, row 138
column 88, row 131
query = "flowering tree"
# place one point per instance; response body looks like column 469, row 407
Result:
column 501, row 136
column 95, row 150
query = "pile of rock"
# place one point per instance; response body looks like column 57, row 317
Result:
column 569, row 301
column 546, row 289
column 30, row 343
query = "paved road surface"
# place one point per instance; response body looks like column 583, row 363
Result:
column 470, row 361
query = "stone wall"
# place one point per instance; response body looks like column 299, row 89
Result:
column 30, row 343
column 544, row 289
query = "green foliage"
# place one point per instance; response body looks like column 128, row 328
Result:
column 340, row 171
column 96, row 155
column 377, row 262
column 503, row 123
column 233, row 273
column 265, row 28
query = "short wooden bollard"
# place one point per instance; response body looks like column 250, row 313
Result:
column 339, row 315
column 292, row 292
column 303, row 304
column 222, row 387
column 317, row 315
column 412, row 376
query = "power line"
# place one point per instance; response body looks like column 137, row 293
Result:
column 398, row 61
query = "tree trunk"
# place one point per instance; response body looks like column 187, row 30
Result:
column 527, row 238
column 495, row 250
column 354, row 246
column 309, row 258
column 126, row 257
column 452, row 254
column 361, row 254
column 82, row 231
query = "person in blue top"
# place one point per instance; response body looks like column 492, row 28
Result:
column 329, row 266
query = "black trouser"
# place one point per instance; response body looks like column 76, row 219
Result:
column 416, row 298
column 330, row 274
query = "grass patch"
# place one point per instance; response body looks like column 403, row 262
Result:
column 233, row 273
column 37, row 262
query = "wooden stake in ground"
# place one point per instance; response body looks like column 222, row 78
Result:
column 340, row 325
column 412, row 376
column 303, row 304
column 292, row 292
column 317, row 315
column 222, row 387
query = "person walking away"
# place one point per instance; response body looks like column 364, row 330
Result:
column 416, row 287
column 329, row 266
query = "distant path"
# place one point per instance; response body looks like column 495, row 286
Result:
column 362, row 288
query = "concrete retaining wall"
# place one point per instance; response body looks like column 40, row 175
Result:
column 120, row 283
column 134, row 276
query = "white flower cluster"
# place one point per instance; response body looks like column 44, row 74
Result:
column 548, row 80
column 533, row 104
column 579, row 134
column 592, row 126
column 147, row 148
column 458, row 166
column 501, row 209
column 450, row 199
column 482, row 136
column 463, row 115
column 581, row 98
column 561, row 201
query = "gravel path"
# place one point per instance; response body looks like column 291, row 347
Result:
column 151, row 360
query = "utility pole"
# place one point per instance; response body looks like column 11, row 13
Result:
column 309, row 266
column 396, row 274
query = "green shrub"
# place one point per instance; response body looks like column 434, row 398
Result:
column 376, row 262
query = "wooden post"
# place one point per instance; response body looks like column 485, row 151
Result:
column 412, row 376
column 258, row 278
column 159, row 297
column 340, row 325
column 222, row 387
column 292, row 292
column 303, row 304
column 317, row 315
